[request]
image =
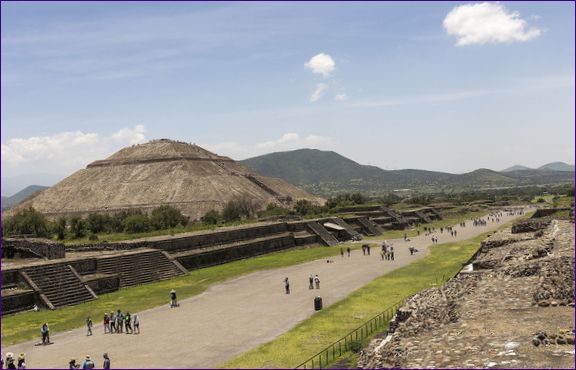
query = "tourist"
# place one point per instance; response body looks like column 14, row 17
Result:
column 106, row 364
column 112, row 322
column 317, row 281
column 73, row 365
column 88, row 363
column 287, row 286
column 382, row 255
column 411, row 249
column 22, row 361
column 405, row 236
column 136, row 322
column 119, row 322
column 10, row 361
column 89, row 325
column 348, row 250
column 311, row 281
column 392, row 253
column 455, row 235
column 342, row 252
column 1, row 361
column 128, row 323
column 106, row 323
column 173, row 301
column 363, row 249
column 368, row 248
column 45, row 330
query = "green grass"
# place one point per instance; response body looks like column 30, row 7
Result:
column 325, row 327
column 26, row 325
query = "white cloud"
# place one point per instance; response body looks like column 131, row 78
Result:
column 283, row 140
column 321, row 64
column 340, row 97
column 318, row 92
column 64, row 152
column 483, row 23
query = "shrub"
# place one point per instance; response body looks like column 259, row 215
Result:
column 167, row 217
column 26, row 221
column 136, row 224
column 78, row 227
column 211, row 217
column 60, row 228
column 93, row 237
column 239, row 207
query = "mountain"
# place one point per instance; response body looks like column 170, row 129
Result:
column 516, row 168
column 8, row 202
column 327, row 173
column 160, row 172
column 557, row 166
column 13, row 184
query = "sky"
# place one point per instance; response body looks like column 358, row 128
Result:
column 446, row 86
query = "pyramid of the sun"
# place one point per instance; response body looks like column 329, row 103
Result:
column 160, row 172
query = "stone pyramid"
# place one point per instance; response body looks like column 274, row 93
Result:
column 156, row 173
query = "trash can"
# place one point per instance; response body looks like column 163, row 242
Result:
column 318, row 303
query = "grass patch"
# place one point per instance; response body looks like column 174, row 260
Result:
column 324, row 327
column 26, row 325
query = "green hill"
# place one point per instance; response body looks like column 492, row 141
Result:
column 327, row 172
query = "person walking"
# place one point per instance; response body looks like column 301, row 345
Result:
column 317, row 281
column 106, row 323
column 73, row 365
column 348, row 250
column 45, row 331
column 287, row 286
column 136, row 322
column 22, row 361
column 89, row 326
column 10, row 361
column 112, row 323
column 88, row 363
column 392, row 253
column 119, row 322
column 128, row 323
column 342, row 252
column 368, row 248
column 311, row 281
column 106, row 364
column 173, row 300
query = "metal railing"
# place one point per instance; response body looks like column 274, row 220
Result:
column 344, row 344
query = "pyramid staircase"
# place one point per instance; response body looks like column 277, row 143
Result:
column 369, row 227
column 322, row 233
column 141, row 267
column 57, row 284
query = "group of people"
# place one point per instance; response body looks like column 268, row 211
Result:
column 89, row 363
column 387, row 252
column 347, row 251
column 13, row 363
column 313, row 280
column 366, row 249
column 118, row 323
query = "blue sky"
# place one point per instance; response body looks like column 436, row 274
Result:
column 439, row 86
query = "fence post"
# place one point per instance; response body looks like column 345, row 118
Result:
column 340, row 348
column 320, row 361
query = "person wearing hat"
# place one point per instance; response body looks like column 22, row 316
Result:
column 88, row 363
column 106, row 364
column 45, row 333
column 73, row 365
column 22, row 361
column 173, row 302
column 10, row 361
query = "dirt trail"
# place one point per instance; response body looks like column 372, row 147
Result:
column 230, row 317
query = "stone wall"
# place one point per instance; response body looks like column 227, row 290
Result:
column 32, row 247
column 103, row 283
column 17, row 302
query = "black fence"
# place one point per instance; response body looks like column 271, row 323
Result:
column 351, row 341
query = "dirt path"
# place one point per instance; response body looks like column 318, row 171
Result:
column 231, row 317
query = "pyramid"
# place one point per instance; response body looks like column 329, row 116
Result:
column 160, row 172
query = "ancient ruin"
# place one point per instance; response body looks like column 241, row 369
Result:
column 32, row 276
column 511, row 307
column 161, row 172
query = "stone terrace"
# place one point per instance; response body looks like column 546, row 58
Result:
column 515, row 310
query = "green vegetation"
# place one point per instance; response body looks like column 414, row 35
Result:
column 25, row 326
column 28, row 221
column 329, row 325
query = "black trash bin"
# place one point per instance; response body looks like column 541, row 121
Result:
column 318, row 303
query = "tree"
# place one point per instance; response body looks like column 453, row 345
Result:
column 27, row 221
column 98, row 223
column 136, row 224
column 211, row 217
column 60, row 228
column 167, row 217
column 78, row 227
column 239, row 207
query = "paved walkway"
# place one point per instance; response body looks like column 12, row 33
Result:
column 231, row 317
